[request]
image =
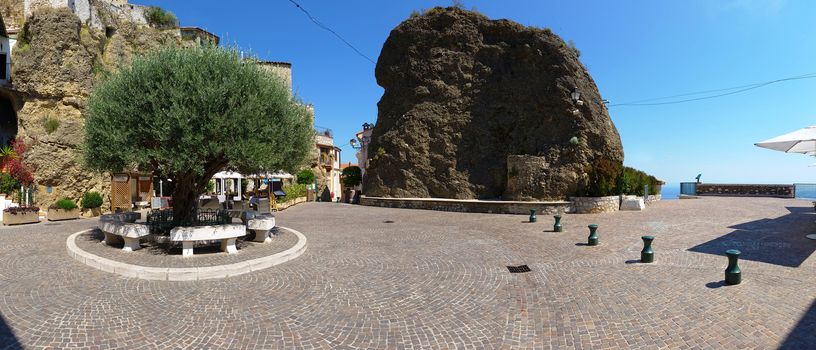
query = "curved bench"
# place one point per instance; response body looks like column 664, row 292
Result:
column 261, row 225
column 115, row 231
column 129, row 217
column 188, row 235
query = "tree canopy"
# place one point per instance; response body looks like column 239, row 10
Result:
column 306, row 177
column 187, row 113
column 352, row 176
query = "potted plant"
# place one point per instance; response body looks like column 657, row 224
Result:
column 63, row 209
column 21, row 215
column 91, row 204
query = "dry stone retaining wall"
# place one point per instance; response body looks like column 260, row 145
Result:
column 594, row 205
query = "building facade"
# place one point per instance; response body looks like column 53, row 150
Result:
column 326, row 166
column 360, row 143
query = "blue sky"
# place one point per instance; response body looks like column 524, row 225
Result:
column 633, row 49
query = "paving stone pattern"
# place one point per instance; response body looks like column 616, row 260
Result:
column 156, row 255
column 379, row 278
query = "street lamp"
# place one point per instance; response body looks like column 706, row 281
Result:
column 354, row 144
column 576, row 96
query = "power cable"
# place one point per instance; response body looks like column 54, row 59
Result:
column 739, row 89
column 321, row 25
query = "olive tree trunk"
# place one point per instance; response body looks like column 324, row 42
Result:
column 188, row 188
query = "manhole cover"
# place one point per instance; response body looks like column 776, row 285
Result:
column 519, row 269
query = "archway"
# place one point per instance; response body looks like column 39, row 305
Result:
column 8, row 120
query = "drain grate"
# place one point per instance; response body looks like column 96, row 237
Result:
column 388, row 221
column 519, row 269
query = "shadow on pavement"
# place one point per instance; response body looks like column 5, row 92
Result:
column 779, row 241
column 7, row 338
column 802, row 336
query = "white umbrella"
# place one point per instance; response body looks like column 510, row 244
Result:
column 799, row 141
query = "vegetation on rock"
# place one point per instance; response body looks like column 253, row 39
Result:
column 186, row 114
column 91, row 200
column 51, row 124
column 160, row 18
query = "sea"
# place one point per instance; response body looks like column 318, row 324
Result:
column 803, row 191
column 670, row 191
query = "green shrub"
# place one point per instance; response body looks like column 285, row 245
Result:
column 603, row 179
column 305, row 177
column 8, row 184
column 91, row 200
column 51, row 124
column 160, row 18
column 64, row 204
column 632, row 181
column 293, row 191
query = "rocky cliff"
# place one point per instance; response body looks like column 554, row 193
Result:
column 466, row 95
column 55, row 64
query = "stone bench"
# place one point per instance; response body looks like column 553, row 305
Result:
column 116, row 231
column 225, row 233
column 261, row 225
column 129, row 217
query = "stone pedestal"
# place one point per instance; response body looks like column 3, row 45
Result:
column 632, row 203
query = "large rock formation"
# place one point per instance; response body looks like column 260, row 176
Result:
column 465, row 95
column 55, row 64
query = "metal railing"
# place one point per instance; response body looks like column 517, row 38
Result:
column 161, row 221
column 805, row 191
column 688, row 188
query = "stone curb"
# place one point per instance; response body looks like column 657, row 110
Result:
column 187, row 273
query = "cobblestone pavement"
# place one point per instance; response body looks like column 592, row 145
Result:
column 208, row 255
column 392, row 279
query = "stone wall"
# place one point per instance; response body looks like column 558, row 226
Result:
column 283, row 70
column 746, row 190
column 526, row 177
column 63, row 60
column 594, row 205
column 468, row 205
column 653, row 198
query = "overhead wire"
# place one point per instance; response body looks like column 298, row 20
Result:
column 731, row 91
column 325, row 27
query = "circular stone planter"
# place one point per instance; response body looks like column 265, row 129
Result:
column 185, row 273
column 594, row 205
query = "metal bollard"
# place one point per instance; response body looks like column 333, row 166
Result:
column 557, row 227
column 533, row 217
column 593, row 235
column 733, row 274
column 647, row 254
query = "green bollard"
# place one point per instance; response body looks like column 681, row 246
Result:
column 733, row 274
column 593, row 235
column 647, row 254
column 557, row 227
column 533, row 217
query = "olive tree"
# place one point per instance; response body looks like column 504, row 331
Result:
column 187, row 113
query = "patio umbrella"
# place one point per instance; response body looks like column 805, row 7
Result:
column 799, row 141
